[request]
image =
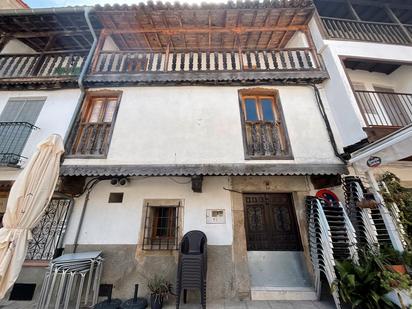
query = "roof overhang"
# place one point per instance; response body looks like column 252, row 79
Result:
column 388, row 149
column 239, row 169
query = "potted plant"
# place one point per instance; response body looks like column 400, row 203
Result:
column 394, row 280
column 392, row 259
column 361, row 285
column 159, row 289
column 368, row 201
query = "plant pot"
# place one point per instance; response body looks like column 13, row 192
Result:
column 372, row 204
column 400, row 269
column 156, row 301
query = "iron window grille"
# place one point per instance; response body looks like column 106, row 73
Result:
column 161, row 227
column 49, row 232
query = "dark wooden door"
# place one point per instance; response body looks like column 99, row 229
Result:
column 270, row 223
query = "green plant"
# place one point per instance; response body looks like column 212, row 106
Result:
column 407, row 258
column 390, row 256
column 402, row 197
column 159, row 287
column 393, row 280
column 362, row 285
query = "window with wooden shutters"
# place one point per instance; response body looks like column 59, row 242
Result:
column 16, row 124
column 264, row 132
column 92, row 133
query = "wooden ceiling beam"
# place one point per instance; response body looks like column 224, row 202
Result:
column 238, row 30
column 28, row 35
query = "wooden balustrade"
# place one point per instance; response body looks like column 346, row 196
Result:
column 112, row 62
column 263, row 139
column 91, row 139
column 337, row 28
column 385, row 108
column 49, row 64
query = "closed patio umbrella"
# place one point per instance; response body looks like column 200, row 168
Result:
column 29, row 197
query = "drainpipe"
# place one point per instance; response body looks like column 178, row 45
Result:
column 328, row 126
column 83, row 72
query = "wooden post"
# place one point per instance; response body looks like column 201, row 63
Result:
column 3, row 41
column 167, row 57
column 312, row 47
column 240, row 53
column 352, row 10
column 40, row 61
column 396, row 20
column 100, row 43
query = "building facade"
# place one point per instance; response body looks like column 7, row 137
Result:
column 179, row 118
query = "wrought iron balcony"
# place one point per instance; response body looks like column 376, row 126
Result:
column 40, row 66
column 385, row 108
column 346, row 29
column 13, row 138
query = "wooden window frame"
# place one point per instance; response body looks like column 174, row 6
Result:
column 84, row 113
column 258, row 94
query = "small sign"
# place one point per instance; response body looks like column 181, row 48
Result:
column 374, row 161
column 215, row 216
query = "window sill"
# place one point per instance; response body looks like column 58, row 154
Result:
column 36, row 263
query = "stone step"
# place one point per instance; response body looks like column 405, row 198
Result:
column 283, row 293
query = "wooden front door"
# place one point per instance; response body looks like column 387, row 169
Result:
column 270, row 223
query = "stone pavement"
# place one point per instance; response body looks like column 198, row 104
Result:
column 262, row 304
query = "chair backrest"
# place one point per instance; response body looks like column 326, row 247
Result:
column 193, row 242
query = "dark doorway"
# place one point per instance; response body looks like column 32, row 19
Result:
column 270, row 223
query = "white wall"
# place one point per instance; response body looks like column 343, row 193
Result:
column 176, row 125
column 340, row 99
column 54, row 117
column 17, row 47
column 298, row 40
column 120, row 223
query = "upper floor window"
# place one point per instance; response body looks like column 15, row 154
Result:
column 92, row 133
column 16, row 123
column 264, row 131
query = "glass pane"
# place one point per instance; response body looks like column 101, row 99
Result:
column 95, row 110
column 267, row 110
column 251, row 113
column 111, row 107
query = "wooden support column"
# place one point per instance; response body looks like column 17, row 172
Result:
column 167, row 57
column 396, row 20
column 240, row 54
column 3, row 41
column 100, row 43
column 353, row 11
column 313, row 49
column 40, row 61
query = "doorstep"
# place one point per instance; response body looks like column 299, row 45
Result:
column 283, row 293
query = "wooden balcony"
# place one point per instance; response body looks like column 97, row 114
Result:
column 384, row 112
column 91, row 140
column 178, row 66
column 263, row 140
column 38, row 67
column 353, row 30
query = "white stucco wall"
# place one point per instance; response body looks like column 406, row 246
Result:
column 120, row 223
column 340, row 99
column 54, row 117
column 176, row 125
column 298, row 40
column 16, row 47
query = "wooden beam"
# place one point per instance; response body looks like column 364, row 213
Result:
column 28, row 35
column 100, row 43
column 352, row 10
column 174, row 30
column 395, row 19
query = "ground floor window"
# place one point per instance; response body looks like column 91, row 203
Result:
column 161, row 226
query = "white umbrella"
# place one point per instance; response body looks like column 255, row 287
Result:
column 29, row 197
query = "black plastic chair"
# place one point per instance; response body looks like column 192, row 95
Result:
column 192, row 267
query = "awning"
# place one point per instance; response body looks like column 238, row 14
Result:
column 391, row 148
column 240, row 169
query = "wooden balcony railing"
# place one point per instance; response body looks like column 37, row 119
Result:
column 385, row 108
column 91, row 139
column 49, row 64
column 263, row 139
column 112, row 62
column 347, row 29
